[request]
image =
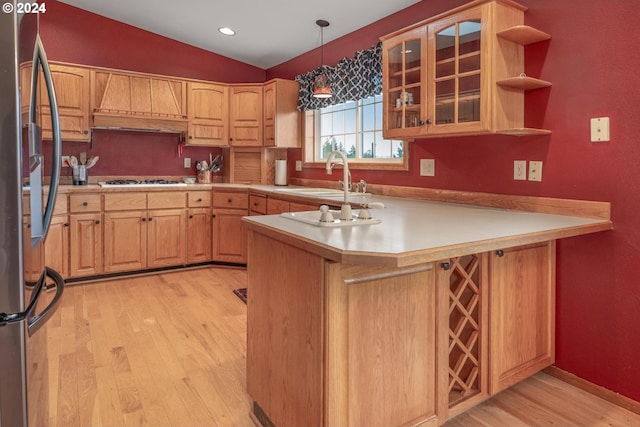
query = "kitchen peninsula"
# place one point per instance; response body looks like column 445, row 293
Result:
column 408, row 322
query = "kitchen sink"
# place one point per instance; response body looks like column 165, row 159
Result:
column 313, row 218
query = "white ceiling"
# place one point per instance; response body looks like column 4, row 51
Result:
column 268, row 33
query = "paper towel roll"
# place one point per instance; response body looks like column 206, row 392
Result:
column 281, row 172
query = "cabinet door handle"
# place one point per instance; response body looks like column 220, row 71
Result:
column 190, row 137
column 428, row 121
column 229, row 200
column 213, row 215
column 500, row 252
column 446, row 265
column 143, row 219
column 190, row 216
column 85, row 204
column 97, row 221
column 150, row 218
column 66, row 224
column 199, row 200
column 86, row 132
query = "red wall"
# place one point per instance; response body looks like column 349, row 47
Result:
column 593, row 67
column 593, row 71
column 73, row 35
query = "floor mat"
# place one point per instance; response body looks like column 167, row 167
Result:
column 241, row 293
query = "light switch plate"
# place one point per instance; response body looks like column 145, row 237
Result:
column 65, row 161
column 600, row 129
column 427, row 167
column 187, row 162
column 520, row 170
column 298, row 165
column 535, row 171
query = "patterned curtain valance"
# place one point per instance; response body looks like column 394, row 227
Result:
column 351, row 80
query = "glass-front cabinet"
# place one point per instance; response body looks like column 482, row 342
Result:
column 404, row 83
column 459, row 73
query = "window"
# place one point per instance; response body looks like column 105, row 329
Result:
column 355, row 127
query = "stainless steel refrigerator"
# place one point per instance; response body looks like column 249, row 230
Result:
column 29, row 291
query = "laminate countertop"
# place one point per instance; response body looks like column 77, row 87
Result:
column 418, row 231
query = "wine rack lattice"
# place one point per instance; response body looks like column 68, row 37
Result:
column 464, row 328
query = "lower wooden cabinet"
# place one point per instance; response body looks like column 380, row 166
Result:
column 166, row 237
column 85, row 247
column 125, row 241
column 56, row 245
column 199, row 244
column 228, row 235
column 522, row 312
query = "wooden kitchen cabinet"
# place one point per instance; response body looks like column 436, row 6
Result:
column 72, row 86
column 85, row 247
column 522, row 312
column 125, row 241
column 281, row 118
column 208, row 114
column 199, row 235
column 467, row 77
column 166, row 237
column 229, row 237
column 245, row 116
column 56, row 245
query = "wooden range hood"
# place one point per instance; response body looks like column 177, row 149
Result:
column 128, row 101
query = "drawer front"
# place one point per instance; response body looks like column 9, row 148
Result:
column 125, row 201
column 79, row 203
column 61, row 204
column 231, row 200
column 199, row 199
column 167, row 200
column 277, row 206
column 258, row 204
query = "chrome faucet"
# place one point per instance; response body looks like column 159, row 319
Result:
column 345, row 211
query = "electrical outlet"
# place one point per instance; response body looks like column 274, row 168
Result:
column 520, row 170
column 427, row 167
column 65, row 161
column 187, row 162
column 600, row 129
column 535, row 171
column 298, row 165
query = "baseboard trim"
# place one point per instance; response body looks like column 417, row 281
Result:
column 596, row 390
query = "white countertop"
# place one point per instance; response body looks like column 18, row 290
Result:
column 417, row 231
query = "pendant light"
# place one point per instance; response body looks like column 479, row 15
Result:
column 321, row 87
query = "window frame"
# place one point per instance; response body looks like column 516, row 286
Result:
column 310, row 127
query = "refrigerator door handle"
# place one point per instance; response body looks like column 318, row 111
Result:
column 35, row 322
column 40, row 59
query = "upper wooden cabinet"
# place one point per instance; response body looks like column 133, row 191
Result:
column 245, row 116
column 459, row 73
column 139, row 101
column 208, row 113
column 72, row 88
column 281, row 117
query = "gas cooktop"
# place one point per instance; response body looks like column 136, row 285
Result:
column 141, row 183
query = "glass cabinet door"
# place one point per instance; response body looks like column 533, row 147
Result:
column 403, row 85
column 457, row 73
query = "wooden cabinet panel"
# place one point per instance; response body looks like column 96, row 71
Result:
column 229, row 237
column 245, row 116
column 277, row 206
column 125, row 201
column 86, row 250
column 79, row 203
column 125, row 241
column 56, row 245
column 199, row 244
column 522, row 313
column 166, row 237
column 230, row 200
column 199, row 199
column 281, row 118
column 208, row 114
column 166, row 200
column 258, row 204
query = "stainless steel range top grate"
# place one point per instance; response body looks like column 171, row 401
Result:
column 141, row 183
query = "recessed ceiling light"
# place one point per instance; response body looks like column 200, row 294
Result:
column 227, row 31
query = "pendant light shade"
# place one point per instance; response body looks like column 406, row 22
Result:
column 321, row 86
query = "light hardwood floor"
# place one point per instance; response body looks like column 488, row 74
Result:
column 169, row 350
